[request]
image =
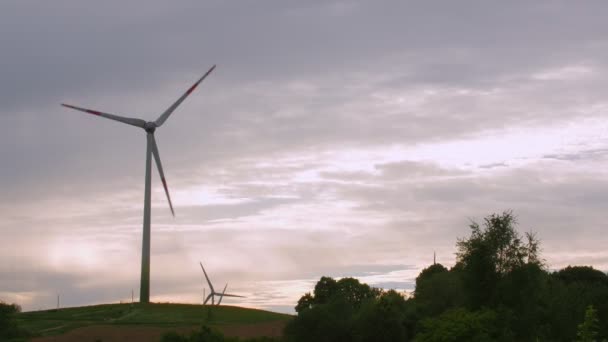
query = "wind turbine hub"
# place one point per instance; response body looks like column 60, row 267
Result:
column 150, row 126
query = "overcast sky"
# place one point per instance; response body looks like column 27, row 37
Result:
column 339, row 138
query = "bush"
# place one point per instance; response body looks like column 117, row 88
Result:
column 460, row 325
column 382, row 320
column 347, row 310
column 8, row 321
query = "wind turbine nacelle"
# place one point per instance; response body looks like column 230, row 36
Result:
column 150, row 126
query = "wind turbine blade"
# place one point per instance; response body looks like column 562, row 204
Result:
column 129, row 121
column 159, row 166
column 161, row 119
column 207, row 299
column 206, row 277
column 231, row 295
column 222, row 296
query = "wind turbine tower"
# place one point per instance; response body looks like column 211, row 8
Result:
column 151, row 151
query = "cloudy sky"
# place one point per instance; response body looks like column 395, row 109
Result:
column 339, row 138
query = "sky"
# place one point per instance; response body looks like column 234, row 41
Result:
column 336, row 138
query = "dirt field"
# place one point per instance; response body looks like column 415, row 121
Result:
column 115, row 333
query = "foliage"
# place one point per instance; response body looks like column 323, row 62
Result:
column 459, row 325
column 437, row 290
column 9, row 327
column 521, row 301
column 588, row 330
column 346, row 310
column 586, row 274
column 382, row 320
column 350, row 290
column 491, row 253
column 327, row 322
column 498, row 290
column 567, row 299
column 305, row 302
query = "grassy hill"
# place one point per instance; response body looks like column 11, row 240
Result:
column 164, row 316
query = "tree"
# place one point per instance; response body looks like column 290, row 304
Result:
column 327, row 322
column 459, row 325
column 521, row 296
column 327, row 289
column 584, row 274
column 429, row 272
column 492, row 252
column 588, row 330
column 437, row 290
column 330, row 313
column 305, row 302
column 354, row 292
column 382, row 320
column 8, row 322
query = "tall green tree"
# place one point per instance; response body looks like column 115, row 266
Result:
column 492, row 251
column 336, row 308
column 437, row 290
column 382, row 319
column 588, row 330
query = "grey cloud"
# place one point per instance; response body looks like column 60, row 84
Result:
column 363, row 270
column 409, row 285
column 202, row 214
column 407, row 169
column 27, row 279
column 493, row 165
column 581, row 155
column 104, row 42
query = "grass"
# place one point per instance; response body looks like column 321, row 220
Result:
column 53, row 322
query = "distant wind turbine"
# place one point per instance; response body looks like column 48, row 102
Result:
column 213, row 293
column 151, row 150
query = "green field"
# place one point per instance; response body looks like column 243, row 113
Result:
column 53, row 322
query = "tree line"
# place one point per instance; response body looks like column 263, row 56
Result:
column 499, row 290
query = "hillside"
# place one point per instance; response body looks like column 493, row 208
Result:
column 113, row 322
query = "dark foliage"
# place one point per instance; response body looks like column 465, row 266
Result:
column 498, row 290
column 382, row 319
column 437, row 290
column 491, row 253
column 584, row 274
column 460, row 325
column 338, row 310
column 8, row 323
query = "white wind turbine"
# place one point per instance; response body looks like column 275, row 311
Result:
column 151, row 150
column 213, row 293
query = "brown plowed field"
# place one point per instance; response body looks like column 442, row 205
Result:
column 114, row 333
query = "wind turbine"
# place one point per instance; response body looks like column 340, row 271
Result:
column 151, row 150
column 213, row 293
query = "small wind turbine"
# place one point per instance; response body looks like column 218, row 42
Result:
column 151, row 150
column 213, row 293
